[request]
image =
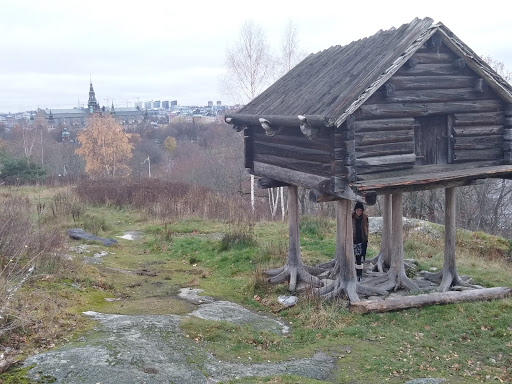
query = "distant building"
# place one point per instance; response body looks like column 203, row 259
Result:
column 156, row 104
column 148, row 105
column 219, row 103
column 92, row 104
column 210, row 104
column 174, row 103
column 165, row 105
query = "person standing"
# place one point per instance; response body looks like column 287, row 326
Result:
column 360, row 229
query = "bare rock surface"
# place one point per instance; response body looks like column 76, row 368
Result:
column 80, row 234
column 152, row 349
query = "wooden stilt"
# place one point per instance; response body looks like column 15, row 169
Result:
column 294, row 270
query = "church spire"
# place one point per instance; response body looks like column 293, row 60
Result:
column 92, row 103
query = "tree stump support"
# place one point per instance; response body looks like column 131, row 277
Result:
column 395, row 277
column 448, row 277
column 294, row 269
column 383, row 259
column 345, row 282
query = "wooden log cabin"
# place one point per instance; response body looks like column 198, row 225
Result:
column 406, row 109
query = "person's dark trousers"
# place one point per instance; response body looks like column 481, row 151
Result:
column 359, row 267
column 363, row 249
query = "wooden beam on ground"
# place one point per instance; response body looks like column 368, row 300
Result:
column 405, row 302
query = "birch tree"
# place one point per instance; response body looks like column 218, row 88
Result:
column 249, row 68
column 105, row 147
column 291, row 53
column 249, row 64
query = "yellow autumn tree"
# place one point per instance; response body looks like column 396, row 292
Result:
column 105, row 147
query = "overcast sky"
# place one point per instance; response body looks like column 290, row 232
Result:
column 175, row 50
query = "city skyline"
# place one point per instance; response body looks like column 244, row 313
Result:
column 168, row 52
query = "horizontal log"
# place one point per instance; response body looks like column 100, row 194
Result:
column 381, row 125
column 405, row 302
column 478, row 131
column 385, row 149
column 367, row 111
column 472, row 142
column 486, row 118
column 434, row 176
column 370, row 138
column 292, row 177
column 286, row 138
column 434, row 57
column 375, row 165
column 478, row 154
column 437, row 95
column 265, row 183
column 315, row 196
column 431, row 82
column 277, row 121
column 288, row 151
column 376, row 172
column 433, row 70
column 313, row 167
column 387, row 160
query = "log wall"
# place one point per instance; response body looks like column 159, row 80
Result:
column 292, row 151
column 433, row 82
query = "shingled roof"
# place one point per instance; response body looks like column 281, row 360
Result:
column 333, row 83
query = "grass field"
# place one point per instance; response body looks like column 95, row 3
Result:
column 464, row 343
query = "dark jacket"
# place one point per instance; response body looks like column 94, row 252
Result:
column 364, row 226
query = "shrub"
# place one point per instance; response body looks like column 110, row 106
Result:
column 239, row 235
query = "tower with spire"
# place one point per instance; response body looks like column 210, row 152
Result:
column 92, row 103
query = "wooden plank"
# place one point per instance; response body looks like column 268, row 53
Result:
column 406, row 302
column 433, row 70
column 379, row 125
column 368, row 111
column 386, row 160
column 373, row 172
column 478, row 142
column 431, row 82
column 478, row 131
column 292, row 177
column 288, row 151
column 313, row 167
column 385, row 149
column 435, row 175
column 265, row 183
column 485, row 118
column 370, row 138
column 434, row 57
column 384, row 164
column 438, row 95
column 478, row 154
column 322, row 144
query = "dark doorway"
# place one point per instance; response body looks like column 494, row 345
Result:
column 431, row 140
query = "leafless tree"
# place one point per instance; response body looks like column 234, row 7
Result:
column 291, row 53
column 249, row 64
